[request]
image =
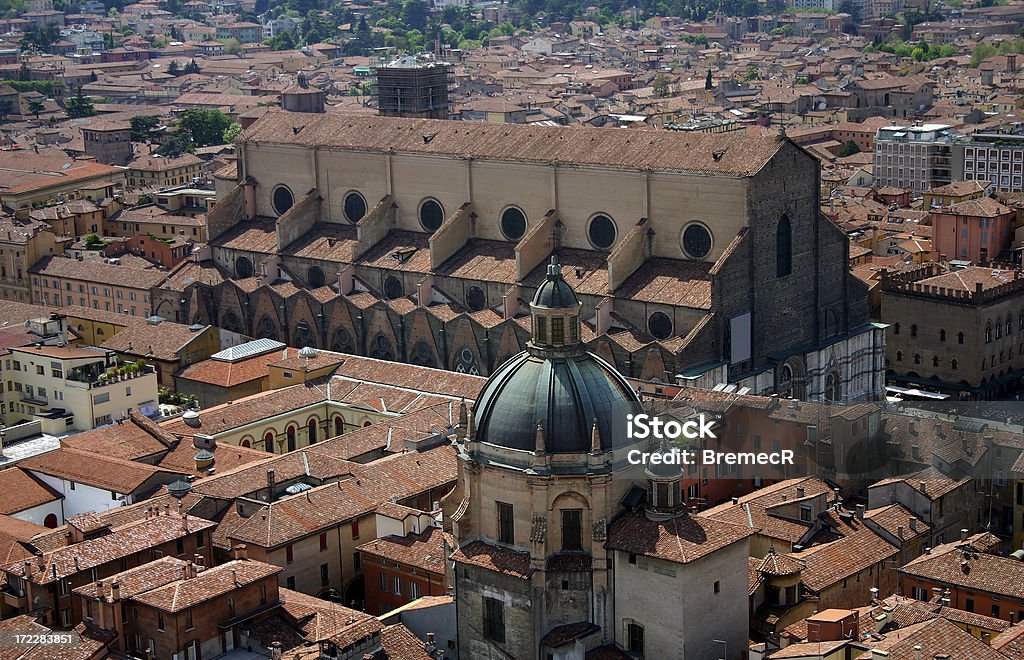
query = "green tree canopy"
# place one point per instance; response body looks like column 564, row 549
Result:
column 205, row 126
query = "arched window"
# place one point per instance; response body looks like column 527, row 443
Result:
column 953, row 364
column 942, row 335
column 267, row 329
column 831, row 387
column 339, row 425
column 312, row 431
column 466, row 364
column 1009, row 325
column 246, row 443
column 984, row 363
column 988, row 333
column 304, row 335
column 50, row 521
column 917, row 358
column 423, row 355
column 268, row 441
column 959, row 337
column 290, row 434
column 783, row 248
column 342, row 342
column 913, row 330
column 381, row 348
column 935, row 361
column 999, row 328
column 899, row 356
column 1020, row 324
column 896, row 329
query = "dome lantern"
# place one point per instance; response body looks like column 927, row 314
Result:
column 556, row 313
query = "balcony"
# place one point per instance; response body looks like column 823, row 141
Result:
column 12, row 599
column 93, row 375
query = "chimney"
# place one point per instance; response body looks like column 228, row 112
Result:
column 270, row 484
column 735, row 501
column 924, row 487
column 917, row 652
column 800, row 491
column 899, row 532
column 913, row 524
column 239, row 552
column 915, row 452
column 860, row 511
column 115, row 591
column 963, row 535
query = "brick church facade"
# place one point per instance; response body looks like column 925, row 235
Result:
column 698, row 259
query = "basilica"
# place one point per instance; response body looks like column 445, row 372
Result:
column 698, row 259
column 565, row 548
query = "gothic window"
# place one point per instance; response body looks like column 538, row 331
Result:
column 832, row 387
column 959, row 337
column 988, row 333
column 783, row 248
column 953, row 364
column 311, row 427
column 381, row 348
column 1020, row 324
column 899, row 356
column 917, row 358
column 268, row 441
column 342, row 341
column 231, row 322
column 896, row 329
column 422, row 355
column 304, row 335
column 785, row 386
column 913, row 330
column 1009, row 325
column 339, row 425
column 999, row 328
column 942, row 335
column 290, row 435
column 267, row 329
column 466, row 364
column 935, row 361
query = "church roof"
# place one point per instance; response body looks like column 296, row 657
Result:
column 733, row 153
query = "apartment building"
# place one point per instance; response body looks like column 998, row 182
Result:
column 68, row 388
column 97, row 548
column 158, row 223
column 152, row 171
column 23, row 242
column 997, row 158
column 119, row 284
column 914, row 157
column 978, row 230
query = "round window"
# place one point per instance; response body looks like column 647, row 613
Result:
column 601, row 232
column 431, row 215
column 243, row 267
column 283, row 200
column 316, row 277
column 513, row 223
column 393, row 288
column 696, row 241
column 355, row 207
column 659, row 325
column 476, row 299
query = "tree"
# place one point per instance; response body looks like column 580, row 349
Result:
column 708, row 82
column 177, row 143
column 143, row 127
column 414, row 15
column 660, row 86
column 191, row 67
column 205, row 126
column 174, row 68
column 35, row 107
column 849, row 149
column 231, row 132
column 79, row 106
column 232, row 47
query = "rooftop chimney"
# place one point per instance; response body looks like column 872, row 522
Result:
column 913, row 524
column 270, row 484
column 800, row 491
column 239, row 552
column 115, row 590
column 860, row 511
column 963, row 535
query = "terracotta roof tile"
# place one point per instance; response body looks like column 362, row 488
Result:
column 723, row 153
column 206, row 585
column 425, row 551
column 20, row 490
column 106, row 472
column 495, row 558
column 682, row 539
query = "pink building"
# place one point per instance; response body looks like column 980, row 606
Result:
column 977, row 230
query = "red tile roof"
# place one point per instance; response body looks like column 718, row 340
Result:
column 495, row 558
column 425, row 551
column 682, row 539
column 20, row 490
column 206, row 585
